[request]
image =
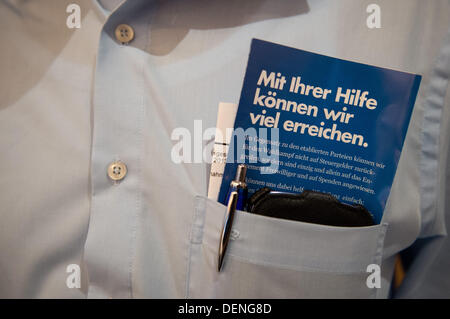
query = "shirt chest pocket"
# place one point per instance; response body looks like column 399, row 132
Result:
column 275, row 258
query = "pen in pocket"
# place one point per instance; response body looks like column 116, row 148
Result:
column 236, row 199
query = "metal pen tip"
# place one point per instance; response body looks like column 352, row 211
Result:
column 241, row 172
column 220, row 262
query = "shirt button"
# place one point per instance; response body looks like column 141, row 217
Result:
column 124, row 33
column 117, row 170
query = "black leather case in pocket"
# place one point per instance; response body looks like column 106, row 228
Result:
column 310, row 207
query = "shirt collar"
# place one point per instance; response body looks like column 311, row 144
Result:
column 105, row 7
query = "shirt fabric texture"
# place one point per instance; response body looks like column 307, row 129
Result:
column 74, row 100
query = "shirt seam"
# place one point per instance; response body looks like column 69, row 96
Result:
column 139, row 210
column 433, row 116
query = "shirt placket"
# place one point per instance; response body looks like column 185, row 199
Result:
column 116, row 160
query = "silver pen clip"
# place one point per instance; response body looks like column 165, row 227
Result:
column 226, row 229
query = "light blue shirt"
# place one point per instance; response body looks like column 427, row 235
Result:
column 75, row 100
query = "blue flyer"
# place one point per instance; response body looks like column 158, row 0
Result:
column 306, row 121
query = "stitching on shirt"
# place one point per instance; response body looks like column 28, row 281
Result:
column 188, row 261
column 198, row 221
column 138, row 198
column 435, row 100
column 378, row 257
column 199, row 207
column 291, row 266
column 294, row 268
column 140, row 141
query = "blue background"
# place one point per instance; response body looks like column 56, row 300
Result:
column 383, row 128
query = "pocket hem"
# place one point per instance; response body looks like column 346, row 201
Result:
column 293, row 244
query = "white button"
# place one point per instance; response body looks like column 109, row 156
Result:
column 124, row 33
column 117, row 170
